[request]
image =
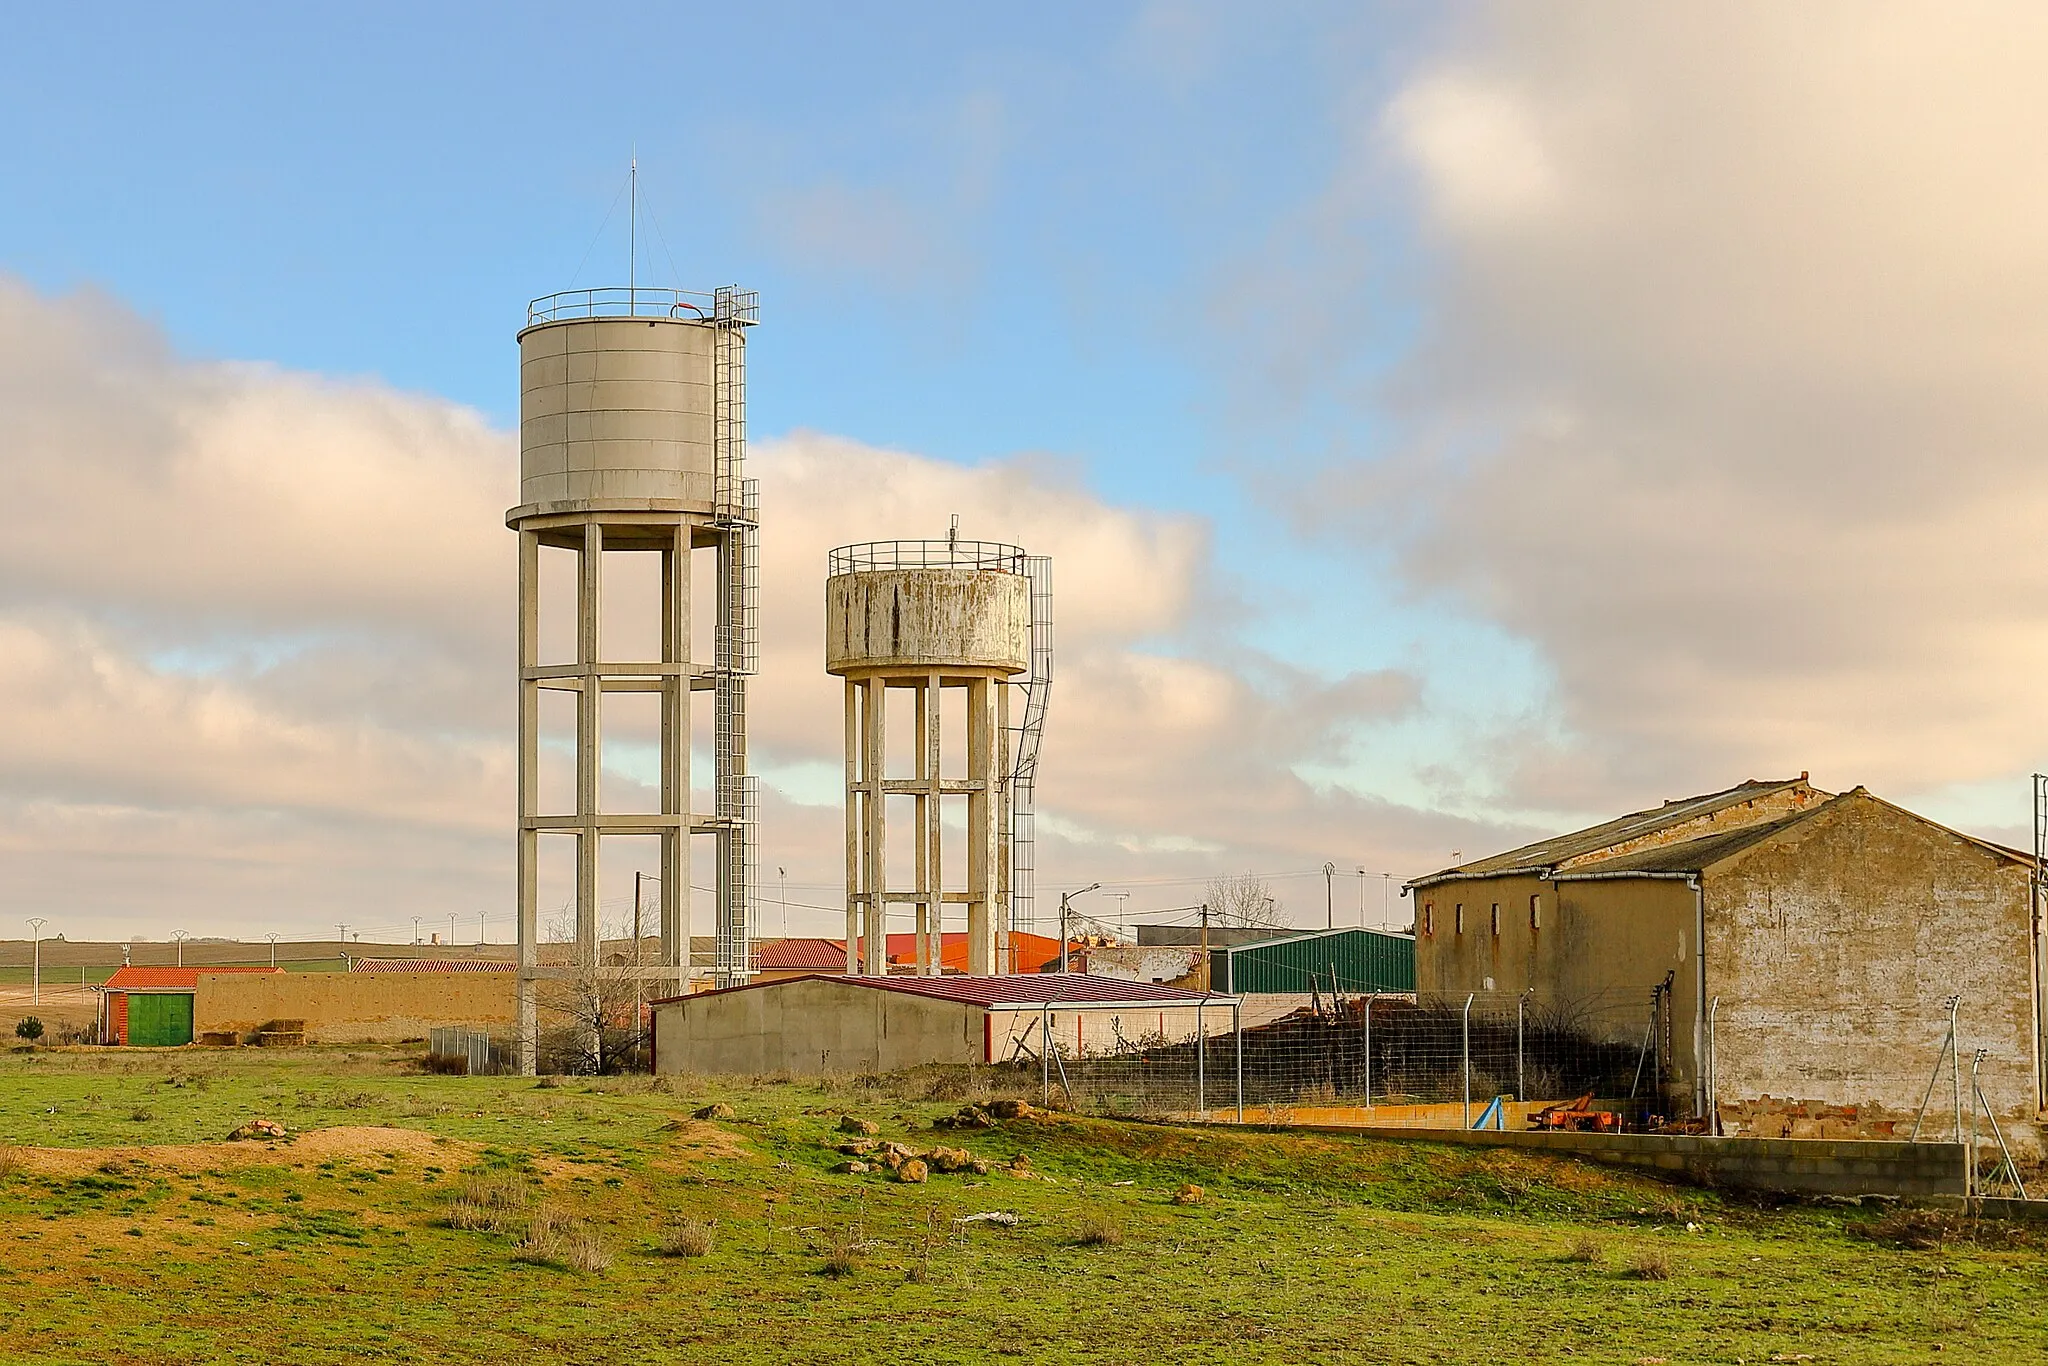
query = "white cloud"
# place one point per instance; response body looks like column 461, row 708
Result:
column 1731, row 388
column 255, row 652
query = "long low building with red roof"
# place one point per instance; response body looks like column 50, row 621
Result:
column 838, row 1023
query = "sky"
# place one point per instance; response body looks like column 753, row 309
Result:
column 1449, row 423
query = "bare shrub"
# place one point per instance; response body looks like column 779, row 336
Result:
column 582, row 1249
column 12, row 1164
column 1922, row 1230
column 687, row 1238
column 1099, row 1230
column 842, row 1258
column 488, row 1204
column 1650, row 1264
column 1585, row 1250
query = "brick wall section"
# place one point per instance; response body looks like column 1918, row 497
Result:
column 1796, row 1166
column 1833, row 946
column 352, row 1007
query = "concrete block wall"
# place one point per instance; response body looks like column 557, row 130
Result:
column 1790, row 1165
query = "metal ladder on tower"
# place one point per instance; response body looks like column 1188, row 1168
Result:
column 1029, row 734
column 736, row 650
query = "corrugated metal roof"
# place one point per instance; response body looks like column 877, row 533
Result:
column 1017, row 989
column 430, row 965
column 134, row 977
column 1545, row 855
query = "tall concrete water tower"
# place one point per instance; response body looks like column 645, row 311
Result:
column 632, row 438
column 952, row 624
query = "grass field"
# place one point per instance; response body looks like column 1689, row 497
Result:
column 130, row 1233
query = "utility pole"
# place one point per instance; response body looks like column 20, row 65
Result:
column 415, row 929
column 1066, row 964
column 479, row 929
column 272, row 937
column 782, row 880
column 1329, row 896
column 1386, row 900
column 344, row 939
column 1362, row 875
column 35, row 924
column 1205, row 948
column 636, row 919
column 451, row 929
column 179, row 937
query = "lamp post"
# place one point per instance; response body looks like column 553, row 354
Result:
column 179, row 937
column 1329, row 896
column 35, row 924
column 1386, row 900
column 1362, row 876
column 1065, row 962
column 272, row 937
column 782, row 897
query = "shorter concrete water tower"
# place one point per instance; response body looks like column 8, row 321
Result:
column 955, row 624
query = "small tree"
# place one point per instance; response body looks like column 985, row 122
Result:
column 1243, row 899
column 598, row 1005
column 30, row 1028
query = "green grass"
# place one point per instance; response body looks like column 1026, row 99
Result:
column 1305, row 1247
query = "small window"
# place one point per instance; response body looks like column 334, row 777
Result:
column 1535, row 912
column 1429, row 917
column 1460, row 915
column 1496, row 920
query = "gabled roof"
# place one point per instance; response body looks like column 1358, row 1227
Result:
column 430, row 965
column 1545, row 857
column 1032, row 952
column 1023, row 989
column 1291, row 937
column 1684, row 858
column 133, row 978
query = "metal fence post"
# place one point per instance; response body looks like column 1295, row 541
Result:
column 1713, row 1073
column 1202, row 1058
column 1465, row 1048
column 1045, row 1055
column 1368, row 1048
column 1521, row 1087
column 1237, row 1033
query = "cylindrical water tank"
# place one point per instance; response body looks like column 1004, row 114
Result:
column 972, row 619
column 617, row 412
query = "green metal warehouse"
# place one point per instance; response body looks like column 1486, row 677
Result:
column 1354, row 960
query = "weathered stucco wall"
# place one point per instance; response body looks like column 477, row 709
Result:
column 810, row 1027
column 1833, row 946
column 352, row 1007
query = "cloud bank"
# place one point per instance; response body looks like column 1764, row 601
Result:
column 255, row 651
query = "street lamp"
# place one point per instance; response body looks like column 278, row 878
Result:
column 179, row 937
column 1386, row 900
column 1329, row 896
column 1065, row 897
column 782, row 876
column 1362, row 876
column 36, row 923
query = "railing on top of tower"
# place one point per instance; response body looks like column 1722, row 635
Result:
column 729, row 304
column 873, row 556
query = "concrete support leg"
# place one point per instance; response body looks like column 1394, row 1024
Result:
column 874, row 761
column 675, row 761
column 930, row 812
column 856, row 826
column 526, row 1038
column 982, row 742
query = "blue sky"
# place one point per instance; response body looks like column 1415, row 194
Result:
column 1464, row 355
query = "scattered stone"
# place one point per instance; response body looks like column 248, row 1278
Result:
column 1000, row 1218
column 259, row 1129
column 949, row 1159
column 852, row 1168
column 1020, row 1163
column 866, row 1128
column 912, row 1172
column 890, row 1158
column 1010, row 1109
column 716, row 1110
column 979, row 1166
column 856, row 1147
column 1188, row 1194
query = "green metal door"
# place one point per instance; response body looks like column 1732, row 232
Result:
column 159, row 1019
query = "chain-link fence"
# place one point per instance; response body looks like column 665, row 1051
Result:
column 1371, row 1058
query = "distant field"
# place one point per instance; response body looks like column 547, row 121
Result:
column 1302, row 1248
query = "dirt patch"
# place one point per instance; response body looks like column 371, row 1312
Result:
column 694, row 1140
column 355, row 1141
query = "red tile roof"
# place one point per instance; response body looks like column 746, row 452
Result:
column 173, row 978
column 805, row 955
column 433, row 965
